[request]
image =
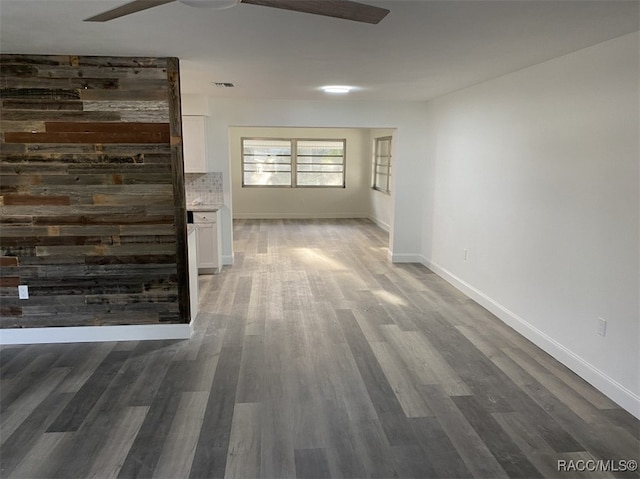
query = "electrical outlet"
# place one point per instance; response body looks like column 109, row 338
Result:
column 23, row 291
column 602, row 327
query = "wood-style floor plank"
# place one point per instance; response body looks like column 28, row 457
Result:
column 311, row 357
column 180, row 445
column 110, row 458
column 243, row 455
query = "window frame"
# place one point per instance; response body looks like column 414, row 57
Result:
column 293, row 142
column 377, row 164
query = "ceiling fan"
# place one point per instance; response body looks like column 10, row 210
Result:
column 345, row 9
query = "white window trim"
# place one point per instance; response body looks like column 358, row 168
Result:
column 376, row 164
column 294, row 162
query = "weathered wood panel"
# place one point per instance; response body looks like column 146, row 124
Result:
column 91, row 192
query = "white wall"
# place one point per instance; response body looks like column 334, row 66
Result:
column 410, row 150
column 349, row 202
column 536, row 173
column 194, row 104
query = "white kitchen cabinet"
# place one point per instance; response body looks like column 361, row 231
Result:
column 194, row 144
column 208, row 241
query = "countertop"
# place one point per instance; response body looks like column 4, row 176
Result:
column 203, row 207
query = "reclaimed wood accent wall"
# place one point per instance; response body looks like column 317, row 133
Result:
column 91, row 192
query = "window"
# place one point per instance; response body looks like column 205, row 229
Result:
column 293, row 162
column 382, row 164
column 266, row 162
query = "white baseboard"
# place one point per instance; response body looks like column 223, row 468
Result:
column 617, row 392
column 85, row 334
column 297, row 216
column 383, row 225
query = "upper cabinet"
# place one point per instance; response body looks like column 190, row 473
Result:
column 194, row 143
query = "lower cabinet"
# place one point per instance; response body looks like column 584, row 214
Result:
column 192, row 245
column 208, row 241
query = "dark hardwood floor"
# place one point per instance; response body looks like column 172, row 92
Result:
column 312, row 357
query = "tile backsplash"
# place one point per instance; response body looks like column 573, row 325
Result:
column 206, row 187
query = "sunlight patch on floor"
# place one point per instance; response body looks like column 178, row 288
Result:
column 388, row 297
column 318, row 259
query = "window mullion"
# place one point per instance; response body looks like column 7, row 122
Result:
column 294, row 163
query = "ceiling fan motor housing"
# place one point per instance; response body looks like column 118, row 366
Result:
column 217, row 4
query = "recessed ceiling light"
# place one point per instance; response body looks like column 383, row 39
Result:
column 337, row 89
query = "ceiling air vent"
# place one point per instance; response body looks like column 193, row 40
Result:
column 224, row 84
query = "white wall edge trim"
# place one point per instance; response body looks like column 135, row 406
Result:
column 227, row 259
column 86, row 334
column 617, row 392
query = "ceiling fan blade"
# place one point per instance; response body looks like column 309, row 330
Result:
column 358, row 12
column 126, row 9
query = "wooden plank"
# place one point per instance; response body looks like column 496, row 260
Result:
column 106, row 127
column 30, row 104
column 476, row 455
column 59, row 83
column 389, row 409
column 123, row 95
column 124, row 199
column 250, row 384
column 9, row 311
column 86, row 137
column 85, row 399
column 62, row 115
column 117, row 444
column 145, row 451
column 243, row 456
column 22, row 59
column 37, row 463
column 552, row 432
column 158, row 107
column 424, row 361
column 134, row 63
column 40, row 94
column 411, row 401
column 435, row 445
column 311, row 464
column 211, row 452
column 94, row 71
column 24, row 200
column 84, row 359
column 25, row 437
column 30, row 126
column 523, row 434
column 9, row 281
column 8, row 261
column 14, row 415
column 18, row 70
column 180, row 444
column 510, row 457
column 623, row 419
column 559, row 388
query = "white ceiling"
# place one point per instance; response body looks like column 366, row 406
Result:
column 421, row 50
